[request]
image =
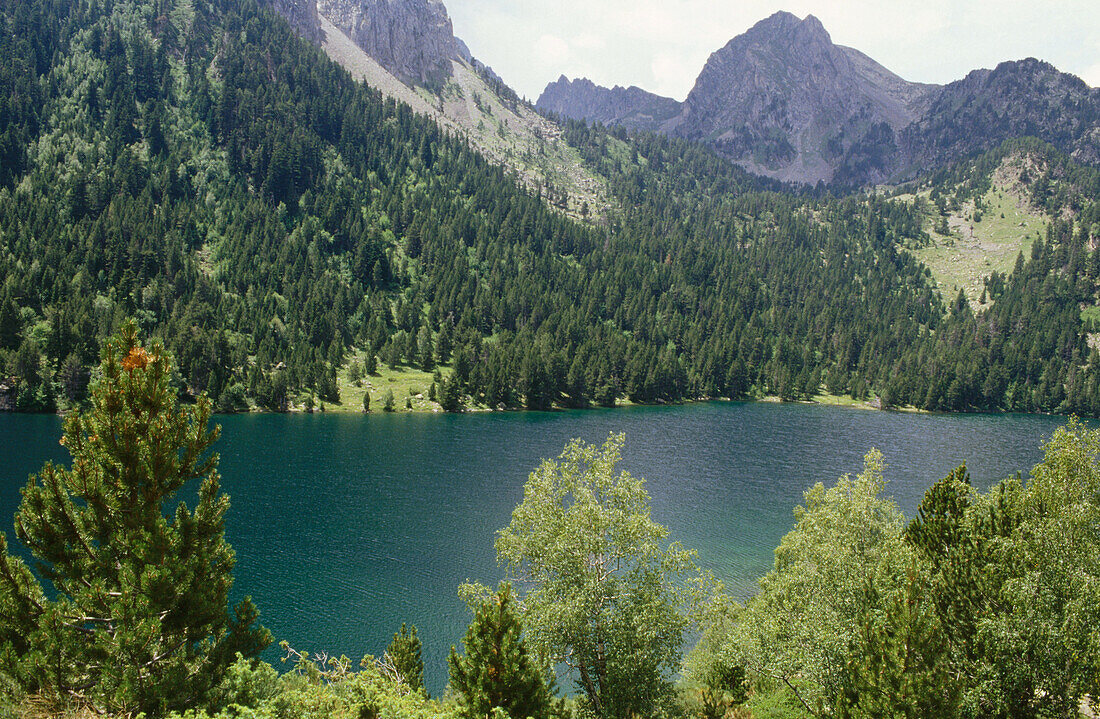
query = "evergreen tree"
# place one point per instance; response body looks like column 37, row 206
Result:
column 497, row 670
column 404, row 651
column 899, row 664
column 450, row 395
column 135, row 618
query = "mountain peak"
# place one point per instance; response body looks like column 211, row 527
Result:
column 786, row 28
column 783, row 100
column 810, row 24
column 778, row 19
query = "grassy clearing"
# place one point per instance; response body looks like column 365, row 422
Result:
column 406, row 383
column 842, row 400
column 972, row 249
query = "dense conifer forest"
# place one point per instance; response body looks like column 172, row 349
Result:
column 196, row 166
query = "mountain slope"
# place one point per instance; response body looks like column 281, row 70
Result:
column 504, row 130
column 1017, row 99
column 784, row 101
column 407, row 50
column 243, row 197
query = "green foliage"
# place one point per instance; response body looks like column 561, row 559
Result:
column 898, row 663
column 236, row 191
column 605, row 594
column 1044, row 643
column 846, row 546
column 496, row 669
column 317, row 686
column 135, row 617
column 450, row 395
column 984, row 605
column 404, row 652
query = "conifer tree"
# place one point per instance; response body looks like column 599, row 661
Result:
column 404, row 650
column 898, row 663
column 135, row 617
column 497, row 670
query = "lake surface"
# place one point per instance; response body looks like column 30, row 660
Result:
column 345, row 526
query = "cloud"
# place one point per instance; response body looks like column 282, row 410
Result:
column 551, row 50
column 670, row 71
column 1091, row 75
column 589, row 41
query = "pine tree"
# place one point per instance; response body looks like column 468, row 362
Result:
column 404, row 650
column 898, row 664
column 135, row 619
column 450, row 395
column 497, row 670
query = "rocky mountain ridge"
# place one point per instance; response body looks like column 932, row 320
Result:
column 783, row 100
column 632, row 107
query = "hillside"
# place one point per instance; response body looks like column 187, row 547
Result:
column 973, row 235
column 274, row 221
column 982, row 216
column 406, row 49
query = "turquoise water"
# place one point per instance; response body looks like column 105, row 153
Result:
column 345, row 526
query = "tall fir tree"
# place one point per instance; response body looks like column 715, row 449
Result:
column 136, row 617
column 497, row 670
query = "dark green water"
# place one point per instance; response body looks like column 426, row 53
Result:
column 346, row 526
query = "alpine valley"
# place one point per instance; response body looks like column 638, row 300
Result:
column 277, row 206
column 335, row 203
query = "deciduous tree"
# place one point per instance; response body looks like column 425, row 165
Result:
column 605, row 592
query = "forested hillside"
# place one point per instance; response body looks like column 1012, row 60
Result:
column 196, row 166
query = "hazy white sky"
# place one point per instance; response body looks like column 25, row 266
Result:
column 661, row 45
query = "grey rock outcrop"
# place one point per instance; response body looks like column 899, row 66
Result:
column 302, row 16
column 631, row 107
column 413, row 39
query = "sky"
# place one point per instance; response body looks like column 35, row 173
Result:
column 661, row 45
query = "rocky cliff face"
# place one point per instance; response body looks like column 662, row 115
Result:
column 413, row 39
column 631, row 107
column 784, row 101
column 302, row 16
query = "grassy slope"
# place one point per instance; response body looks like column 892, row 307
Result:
column 972, row 250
